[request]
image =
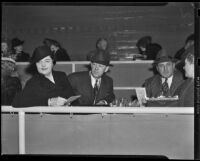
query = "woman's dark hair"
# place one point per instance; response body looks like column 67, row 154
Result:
column 56, row 43
column 144, row 41
column 190, row 38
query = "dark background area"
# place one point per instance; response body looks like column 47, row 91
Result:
column 77, row 26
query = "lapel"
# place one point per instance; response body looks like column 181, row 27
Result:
column 102, row 88
column 157, row 86
column 175, row 83
column 88, row 85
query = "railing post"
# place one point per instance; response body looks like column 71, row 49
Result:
column 21, row 132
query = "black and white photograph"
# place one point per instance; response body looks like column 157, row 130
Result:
column 105, row 79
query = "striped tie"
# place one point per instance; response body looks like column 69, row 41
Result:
column 95, row 91
column 165, row 88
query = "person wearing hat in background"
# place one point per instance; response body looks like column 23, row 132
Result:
column 142, row 45
column 101, row 44
column 165, row 82
column 10, row 83
column 186, row 89
column 59, row 52
column 17, row 51
column 46, row 87
column 94, row 86
column 148, row 49
column 188, row 42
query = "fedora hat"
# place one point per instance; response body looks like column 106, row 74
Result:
column 101, row 57
column 16, row 42
column 40, row 53
column 162, row 56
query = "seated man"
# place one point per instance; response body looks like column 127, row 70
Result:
column 165, row 82
column 94, row 86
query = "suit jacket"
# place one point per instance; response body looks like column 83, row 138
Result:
column 153, row 88
column 186, row 93
column 39, row 89
column 81, row 84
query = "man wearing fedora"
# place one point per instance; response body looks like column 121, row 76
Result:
column 17, row 51
column 165, row 82
column 94, row 86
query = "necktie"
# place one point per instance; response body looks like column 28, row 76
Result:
column 165, row 88
column 95, row 91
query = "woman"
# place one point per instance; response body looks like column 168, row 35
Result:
column 18, row 51
column 47, row 87
column 10, row 83
column 59, row 52
column 186, row 90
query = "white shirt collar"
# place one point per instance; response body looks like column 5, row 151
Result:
column 93, row 81
column 169, row 81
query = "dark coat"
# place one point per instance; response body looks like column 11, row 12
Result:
column 22, row 57
column 39, row 89
column 153, row 88
column 10, row 86
column 62, row 55
column 81, row 84
column 186, row 93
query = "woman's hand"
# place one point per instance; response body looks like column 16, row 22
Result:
column 57, row 101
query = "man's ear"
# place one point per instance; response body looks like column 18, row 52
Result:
column 106, row 68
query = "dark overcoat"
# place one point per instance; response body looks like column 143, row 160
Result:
column 81, row 84
column 39, row 89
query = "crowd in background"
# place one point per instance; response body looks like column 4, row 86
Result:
column 51, row 50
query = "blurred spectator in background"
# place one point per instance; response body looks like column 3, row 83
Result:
column 189, row 42
column 17, row 50
column 10, row 83
column 101, row 44
column 59, row 52
column 47, row 42
column 181, row 54
column 5, row 48
column 148, row 49
column 152, row 51
column 142, row 44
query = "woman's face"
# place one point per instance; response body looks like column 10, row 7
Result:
column 45, row 66
column 4, row 47
column 189, row 69
column 54, row 48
